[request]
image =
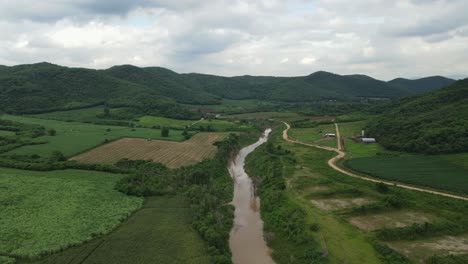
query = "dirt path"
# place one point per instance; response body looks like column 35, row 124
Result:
column 341, row 154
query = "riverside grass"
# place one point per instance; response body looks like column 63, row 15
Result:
column 44, row 212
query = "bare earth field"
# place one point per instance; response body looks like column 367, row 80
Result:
column 171, row 154
column 423, row 249
column 337, row 204
column 390, row 220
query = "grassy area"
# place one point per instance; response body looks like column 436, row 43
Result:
column 73, row 137
column 216, row 124
column 158, row 233
column 236, row 106
column 4, row 133
column 79, row 115
column 434, row 171
column 264, row 115
column 42, row 212
column 356, row 149
column 315, row 135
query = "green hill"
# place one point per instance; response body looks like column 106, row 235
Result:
column 45, row 87
column 422, row 85
column 436, row 122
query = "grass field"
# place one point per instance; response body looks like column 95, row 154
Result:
column 264, row 115
column 4, row 133
column 158, row 233
column 73, row 137
column 216, row 124
column 79, row 115
column 354, row 149
column 315, row 135
column 236, row 106
column 432, row 171
column 172, row 154
column 43, row 212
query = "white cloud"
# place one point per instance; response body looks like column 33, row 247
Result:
column 381, row 38
column 307, row 60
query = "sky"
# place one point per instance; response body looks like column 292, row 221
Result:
column 381, row 38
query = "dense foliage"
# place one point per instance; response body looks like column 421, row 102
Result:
column 45, row 87
column 433, row 123
column 285, row 220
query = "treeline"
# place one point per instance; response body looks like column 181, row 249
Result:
column 207, row 186
column 287, row 230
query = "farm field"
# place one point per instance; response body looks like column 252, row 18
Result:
column 158, row 233
column 171, row 154
column 432, row 171
column 216, row 124
column 79, row 115
column 354, row 149
column 73, row 137
column 42, row 212
column 315, row 135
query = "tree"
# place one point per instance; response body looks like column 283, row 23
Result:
column 106, row 111
column 57, row 156
column 51, row 132
column 165, row 132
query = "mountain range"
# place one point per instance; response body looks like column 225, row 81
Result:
column 46, row 87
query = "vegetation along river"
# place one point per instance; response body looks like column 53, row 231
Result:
column 246, row 239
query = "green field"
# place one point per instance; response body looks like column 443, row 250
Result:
column 73, row 137
column 4, row 133
column 355, row 149
column 314, row 135
column 158, row 233
column 42, row 212
column 79, row 115
column 441, row 172
column 236, row 106
column 216, row 124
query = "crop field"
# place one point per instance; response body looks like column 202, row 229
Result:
column 73, row 137
column 42, row 212
column 171, row 154
column 158, row 233
column 432, row 171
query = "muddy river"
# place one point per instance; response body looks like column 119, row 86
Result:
column 246, row 239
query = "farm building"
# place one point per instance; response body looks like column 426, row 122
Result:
column 330, row 135
column 368, row 140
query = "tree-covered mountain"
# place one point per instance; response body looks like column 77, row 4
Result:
column 45, row 87
column 436, row 122
column 422, row 85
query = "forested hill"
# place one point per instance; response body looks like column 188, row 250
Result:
column 422, row 85
column 45, row 87
column 436, row 122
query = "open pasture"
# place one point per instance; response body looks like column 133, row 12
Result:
column 171, row 154
column 315, row 135
column 43, row 212
column 73, row 137
column 216, row 124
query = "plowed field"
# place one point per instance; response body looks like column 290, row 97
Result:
column 171, row 154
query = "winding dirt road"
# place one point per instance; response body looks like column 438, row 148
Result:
column 341, row 154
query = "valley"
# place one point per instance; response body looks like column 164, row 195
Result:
column 118, row 183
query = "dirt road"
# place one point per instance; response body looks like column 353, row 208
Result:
column 341, row 154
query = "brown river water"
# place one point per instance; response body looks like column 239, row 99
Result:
column 246, row 239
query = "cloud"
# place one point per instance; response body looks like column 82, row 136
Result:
column 381, row 38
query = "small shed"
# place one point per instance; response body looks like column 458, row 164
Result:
column 368, row 140
column 330, row 135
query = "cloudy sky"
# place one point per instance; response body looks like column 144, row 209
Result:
column 381, row 38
